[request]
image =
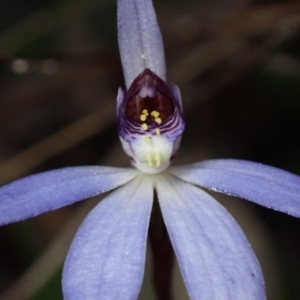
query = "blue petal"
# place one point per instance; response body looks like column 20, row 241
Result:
column 264, row 185
column 214, row 255
column 50, row 190
column 107, row 257
column 140, row 40
column 177, row 96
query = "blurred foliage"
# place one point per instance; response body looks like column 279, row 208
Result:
column 52, row 289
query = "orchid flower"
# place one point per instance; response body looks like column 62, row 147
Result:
column 107, row 256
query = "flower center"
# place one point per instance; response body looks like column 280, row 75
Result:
column 151, row 123
column 148, row 100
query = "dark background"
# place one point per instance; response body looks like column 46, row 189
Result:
column 238, row 66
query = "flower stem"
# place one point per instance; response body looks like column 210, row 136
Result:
column 163, row 255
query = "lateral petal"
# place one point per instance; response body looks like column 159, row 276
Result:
column 265, row 185
column 107, row 256
column 140, row 40
column 214, row 256
column 39, row 193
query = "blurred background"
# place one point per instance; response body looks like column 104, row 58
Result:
column 238, row 65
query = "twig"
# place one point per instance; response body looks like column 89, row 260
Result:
column 57, row 143
column 45, row 267
column 280, row 23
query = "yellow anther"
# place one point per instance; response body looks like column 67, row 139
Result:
column 145, row 112
column 155, row 113
column 158, row 160
column 144, row 126
column 149, row 160
column 157, row 131
column 143, row 117
column 147, row 139
column 157, row 120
